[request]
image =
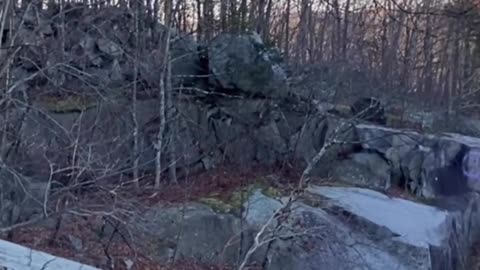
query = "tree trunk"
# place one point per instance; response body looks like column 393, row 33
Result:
column 200, row 20
column 345, row 30
column 243, row 15
column 287, row 30
column 252, row 15
column 268, row 15
column 209, row 25
column 233, row 17
column 164, row 86
column 223, row 15
column 260, row 21
column 136, row 152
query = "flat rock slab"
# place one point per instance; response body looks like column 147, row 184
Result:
column 416, row 224
column 16, row 257
column 329, row 243
column 409, row 228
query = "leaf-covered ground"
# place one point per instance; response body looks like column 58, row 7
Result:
column 80, row 235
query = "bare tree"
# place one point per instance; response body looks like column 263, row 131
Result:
column 165, row 97
column 136, row 151
column 287, row 29
column 278, row 219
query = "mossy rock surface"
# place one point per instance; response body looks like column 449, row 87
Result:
column 234, row 202
column 67, row 104
column 217, row 204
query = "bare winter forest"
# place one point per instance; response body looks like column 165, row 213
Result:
column 240, row 134
column 425, row 48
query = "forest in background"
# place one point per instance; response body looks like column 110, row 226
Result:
column 426, row 48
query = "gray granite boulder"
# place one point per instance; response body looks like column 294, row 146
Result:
column 429, row 165
column 242, row 62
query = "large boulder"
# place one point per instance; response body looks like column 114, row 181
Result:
column 312, row 136
column 312, row 239
column 363, row 169
column 21, row 198
column 427, row 165
column 456, row 123
column 248, row 131
column 187, row 67
column 189, row 231
column 243, row 63
column 419, row 236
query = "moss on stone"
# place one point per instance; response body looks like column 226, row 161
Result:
column 233, row 204
column 67, row 104
column 217, row 204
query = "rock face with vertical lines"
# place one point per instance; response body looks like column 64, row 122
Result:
column 426, row 165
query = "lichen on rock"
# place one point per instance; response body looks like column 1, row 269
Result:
column 234, row 202
column 72, row 103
